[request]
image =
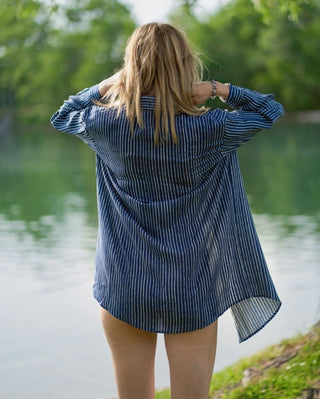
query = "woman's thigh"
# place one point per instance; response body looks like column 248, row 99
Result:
column 191, row 359
column 133, row 354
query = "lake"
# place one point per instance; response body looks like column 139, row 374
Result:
column 52, row 344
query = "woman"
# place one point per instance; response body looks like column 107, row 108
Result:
column 176, row 244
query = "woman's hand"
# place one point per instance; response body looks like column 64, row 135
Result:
column 202, row 91
column 105, row 85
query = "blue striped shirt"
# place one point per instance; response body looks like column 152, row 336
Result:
column 176, row 244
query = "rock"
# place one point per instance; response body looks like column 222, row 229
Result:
column 311, row 393
column 284, row 358
column 249, row 374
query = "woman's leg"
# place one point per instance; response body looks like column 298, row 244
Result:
column 191, row 359
column 133, row 353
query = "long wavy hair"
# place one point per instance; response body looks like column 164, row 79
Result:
column 158, row 62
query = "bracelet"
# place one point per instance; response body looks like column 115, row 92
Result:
column 214, row 89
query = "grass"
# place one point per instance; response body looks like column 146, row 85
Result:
column 288, row 370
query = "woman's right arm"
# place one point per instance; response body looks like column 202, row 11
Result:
column 202, row 91
column 254, row 111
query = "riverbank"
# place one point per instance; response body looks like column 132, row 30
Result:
column 303, row 116
column 288, row 370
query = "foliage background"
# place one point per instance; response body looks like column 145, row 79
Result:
column 49, row 50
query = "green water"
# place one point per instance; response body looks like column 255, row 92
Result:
column 38, row 171
column 281, row 170
column 48, row 225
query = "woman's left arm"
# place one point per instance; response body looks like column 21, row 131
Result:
column 105, row 85
column 69, row 118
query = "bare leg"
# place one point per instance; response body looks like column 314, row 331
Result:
column 133, row 353
column 191, row 359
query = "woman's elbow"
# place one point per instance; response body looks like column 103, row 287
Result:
column 274, row 114
column 280, row 110
column 59, row 123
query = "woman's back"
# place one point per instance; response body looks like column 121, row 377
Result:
column 174, row 219
column 176, row 244
column 154, row 173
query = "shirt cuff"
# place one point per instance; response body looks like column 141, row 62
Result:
column 235, row 96
column 94, row 93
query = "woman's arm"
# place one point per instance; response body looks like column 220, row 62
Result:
column 105, row 85
column 69, row 118
column 202, row 91
column 254, row 112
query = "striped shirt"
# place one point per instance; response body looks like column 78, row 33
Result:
column 177, row 245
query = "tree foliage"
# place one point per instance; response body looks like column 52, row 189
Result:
column 49, row 51
column 291, row 8
column 281, row 55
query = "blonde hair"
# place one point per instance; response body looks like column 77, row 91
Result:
column 159, row 62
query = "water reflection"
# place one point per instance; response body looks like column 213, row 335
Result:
column 50, row 250
column 48, row 227
column 281, row 170
column 38, row 172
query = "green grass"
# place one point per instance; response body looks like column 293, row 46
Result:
column 283, row 371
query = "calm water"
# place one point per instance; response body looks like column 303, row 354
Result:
column 51, row 341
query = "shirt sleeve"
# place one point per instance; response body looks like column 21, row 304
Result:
column 71, row 115
column 255, row 112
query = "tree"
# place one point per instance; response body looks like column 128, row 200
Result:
column 290, row 8
column 281, row 56
column 20, row 41
column 48, row 52
column 268, row 8
column 289, row 58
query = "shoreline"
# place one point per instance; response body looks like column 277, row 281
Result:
column 287, row 370
column 302, row 117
